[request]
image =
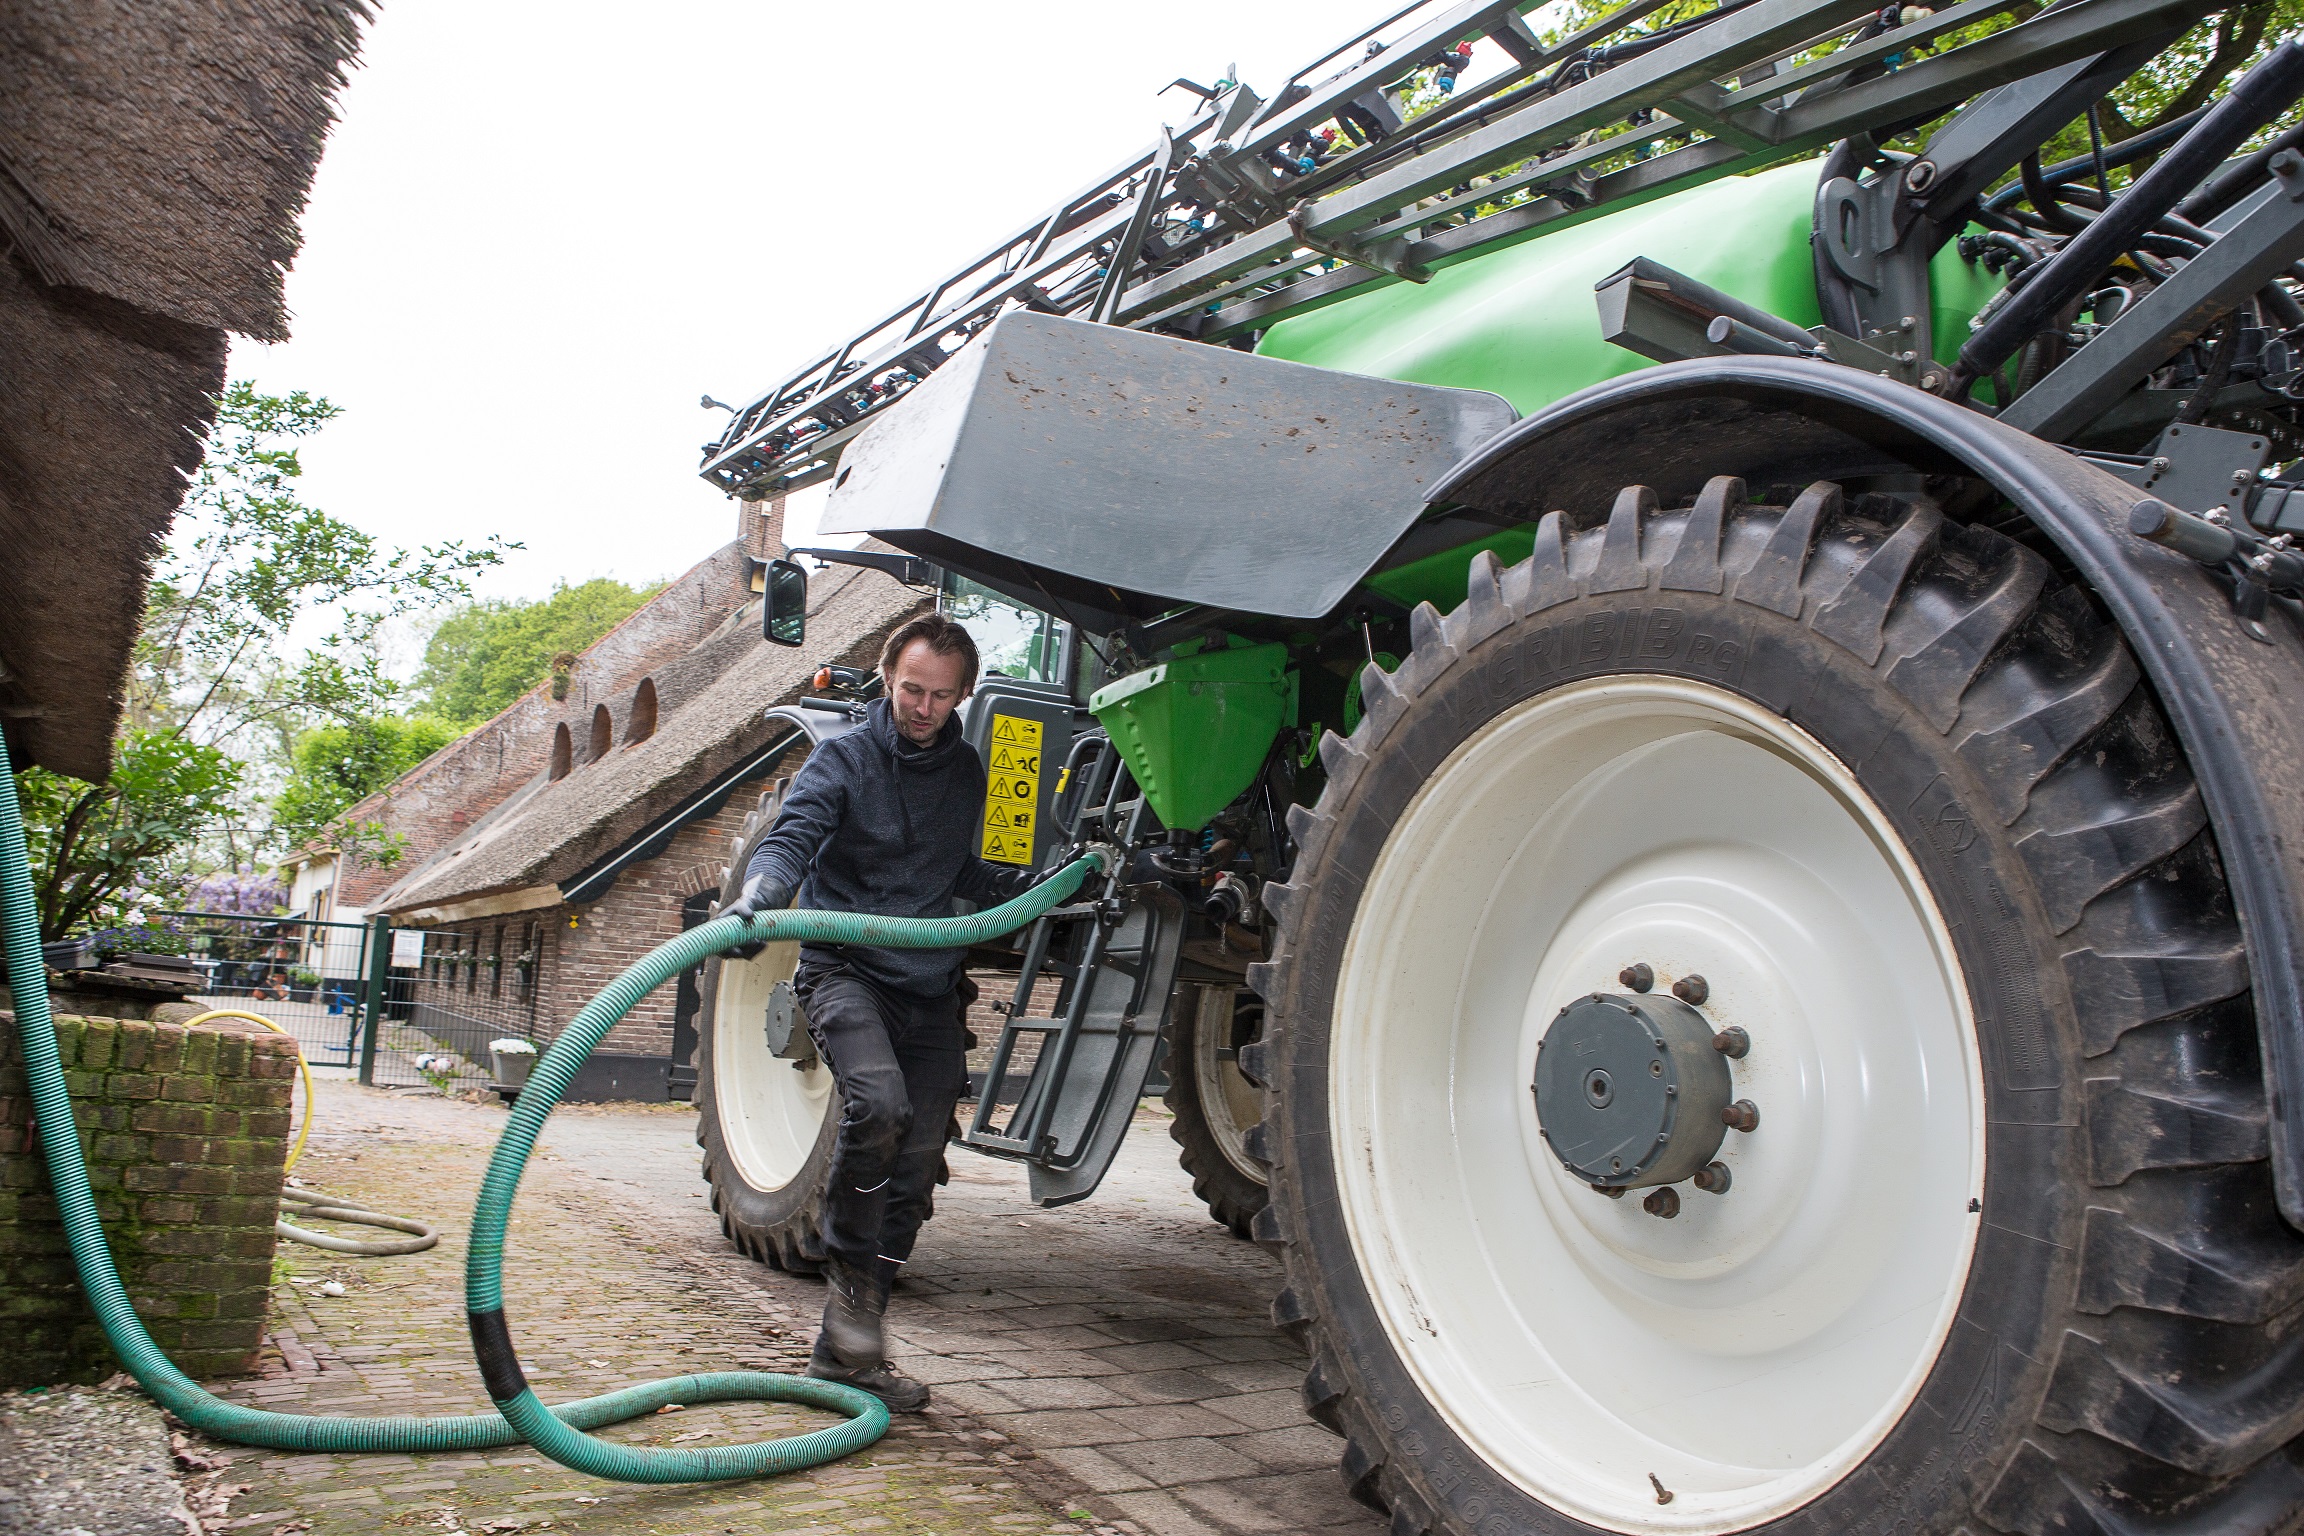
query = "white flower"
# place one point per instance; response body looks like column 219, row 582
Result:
column 513, row 1047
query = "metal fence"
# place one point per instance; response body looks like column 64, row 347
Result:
column 449, row 993
column 436, row 996
column 311, row 978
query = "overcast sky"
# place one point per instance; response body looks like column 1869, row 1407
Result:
column 541, row 232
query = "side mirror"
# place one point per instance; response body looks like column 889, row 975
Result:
column 784, row 611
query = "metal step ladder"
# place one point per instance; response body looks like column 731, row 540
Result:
column 1062, row 1086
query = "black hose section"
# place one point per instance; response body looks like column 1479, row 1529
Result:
column 2150, row 265
column 2175, row 236
column 1835, row 295
column 500, row 1369
column 2126, row 152
column 2043, row 199
column 2259, row 96
column 2238, row 179
column 2280, row 306
column 2217, row 374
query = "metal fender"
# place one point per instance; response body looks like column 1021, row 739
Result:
column 2236, row 700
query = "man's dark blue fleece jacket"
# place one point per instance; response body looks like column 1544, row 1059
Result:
column 874, row 823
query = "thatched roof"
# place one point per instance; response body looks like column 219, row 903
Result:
column 709, row 720
column 154, row 159
column 444, row 797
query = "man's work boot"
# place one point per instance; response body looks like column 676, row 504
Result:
column 900, row 1392
column 853, row 1304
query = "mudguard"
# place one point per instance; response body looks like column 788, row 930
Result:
column 1107, row 475
column 2233, row 697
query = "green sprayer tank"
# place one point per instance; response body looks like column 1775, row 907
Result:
column 1521, row 321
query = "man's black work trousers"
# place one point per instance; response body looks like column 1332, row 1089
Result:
column 901, row 1064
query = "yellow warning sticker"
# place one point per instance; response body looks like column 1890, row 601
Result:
column 1012, row 790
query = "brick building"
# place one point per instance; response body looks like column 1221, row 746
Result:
column 568, row 837
column 438, row 801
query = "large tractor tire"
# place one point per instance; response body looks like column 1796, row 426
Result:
column 766, row 1123
column 2000, row 1254
column 1214, row 1103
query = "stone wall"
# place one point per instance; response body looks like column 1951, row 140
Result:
column 185, row 1131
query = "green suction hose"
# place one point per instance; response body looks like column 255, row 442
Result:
column 556, row 1431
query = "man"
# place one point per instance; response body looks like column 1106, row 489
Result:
column 883, row 820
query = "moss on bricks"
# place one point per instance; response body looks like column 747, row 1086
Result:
column 185, row 1131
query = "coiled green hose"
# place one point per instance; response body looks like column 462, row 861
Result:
column 557, row 1432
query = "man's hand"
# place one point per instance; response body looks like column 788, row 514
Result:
column 761, row 893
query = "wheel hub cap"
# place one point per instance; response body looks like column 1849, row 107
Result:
column 1629, row 1090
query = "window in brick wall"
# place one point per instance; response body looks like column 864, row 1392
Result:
column 640, row 724
column 603, row 733
column 496, row 961
column 563, row 751
column 531, row 936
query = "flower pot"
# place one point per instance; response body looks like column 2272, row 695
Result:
column 512, row 1067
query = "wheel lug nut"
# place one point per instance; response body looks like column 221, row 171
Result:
column 1713, row 1178
column 1743, row 1115
column 1610, row 1191
column 1692, row 990
column 1639, row 976
column 1732, row 1042
column 1663, row 1202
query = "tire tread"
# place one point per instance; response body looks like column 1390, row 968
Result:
column 2184, row 1256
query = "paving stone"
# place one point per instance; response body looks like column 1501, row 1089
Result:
column 1167, row 1421
column 1162, row 1514
column 1063, row 1392
column 1095, row 1470
column 1188, row 1459
column 1258, row 1375
column 1297, row 1446
column 1107, row 1369
column 1262, row 1410
column 1067, row 1427
column 1305, row 1501
column 1171, row 1386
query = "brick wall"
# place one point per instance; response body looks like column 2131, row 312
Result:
column 185, row 1131
column 760, row 527
column 435, row 803
column 591, row 945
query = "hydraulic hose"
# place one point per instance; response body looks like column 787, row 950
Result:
column 2255, row 99
column 556, row 1431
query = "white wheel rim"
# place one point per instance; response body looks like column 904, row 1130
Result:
column 1750, row 1353
column 770, row 1112
column 1228, row 1101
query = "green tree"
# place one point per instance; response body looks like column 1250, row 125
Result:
column 486, row 654
column 222, row 680
column 337, row 766
column 94, row 847
column 248, row 562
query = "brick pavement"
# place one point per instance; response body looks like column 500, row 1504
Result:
column 1107, row 1367
column 601, row 1294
